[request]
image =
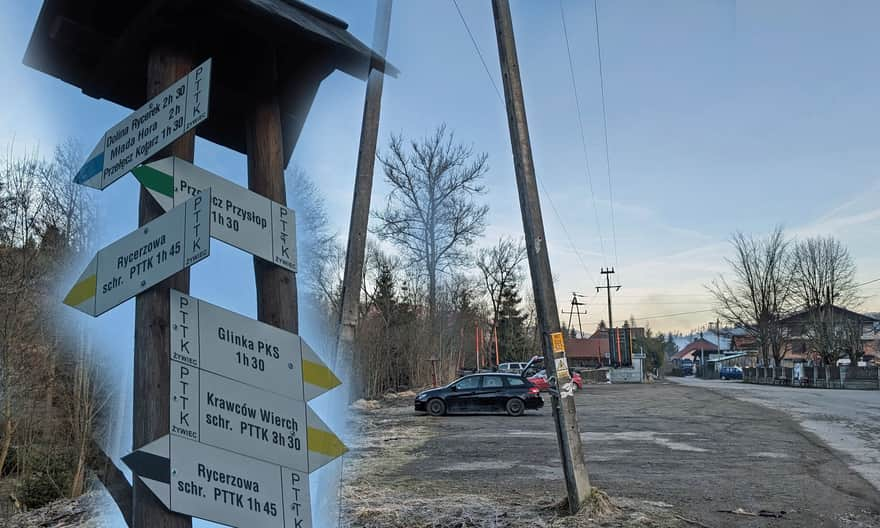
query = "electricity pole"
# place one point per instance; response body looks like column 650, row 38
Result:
column 607, row 272
column 568, row 437
column 352, row 278
column 576, row 309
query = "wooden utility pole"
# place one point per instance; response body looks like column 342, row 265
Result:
column 607, row 272
column 360, row 207
column 152, row 337
column 574, row 468
column 276, row 286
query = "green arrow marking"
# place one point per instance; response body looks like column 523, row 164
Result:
column 155, row 180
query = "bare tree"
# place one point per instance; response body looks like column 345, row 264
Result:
column 851, row 340
column 823, row 273
column 500, row 267
column 431, row 214
column 87, row 396
column 21, row 363
column 69, row 208
column 320, row 255
column 759, row 292
column 823, row 276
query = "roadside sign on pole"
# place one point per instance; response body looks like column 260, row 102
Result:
column 557, row 342
column 157, row 250
column 246, row 350
column 228, row 414
column 562, row 368
column 163, row 119
column 241, row 217
column 221, row 486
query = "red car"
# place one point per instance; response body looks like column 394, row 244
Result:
column 540, row 380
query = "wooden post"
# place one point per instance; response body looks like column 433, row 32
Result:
column 360, row 209
column 276, row 286
column 568, row 436
column 476, row 348
column 152, row 338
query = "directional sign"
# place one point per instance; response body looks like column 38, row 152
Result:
column 246, row 350
column 170, row 243
column 240, row 217
column 216, row 485
column 228, row 414
column 166, row 117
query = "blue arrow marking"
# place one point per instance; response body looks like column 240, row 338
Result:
column 92, row 168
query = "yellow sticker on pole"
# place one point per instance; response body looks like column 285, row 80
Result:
column 562, row 369
column 557, row 342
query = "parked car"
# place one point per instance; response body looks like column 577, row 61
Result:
column 534, row 365
column 731, row 373
column 511, row 368
column 687, row 367
column 540, row 380
column 481, row 393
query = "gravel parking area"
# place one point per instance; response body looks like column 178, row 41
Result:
column 666, row 454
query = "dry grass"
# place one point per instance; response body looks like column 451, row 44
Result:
column 382, row 508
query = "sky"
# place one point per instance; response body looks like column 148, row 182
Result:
column 722, row 116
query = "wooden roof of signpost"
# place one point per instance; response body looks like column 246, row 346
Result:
column 101, row 46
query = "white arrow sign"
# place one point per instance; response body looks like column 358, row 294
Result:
column 134, row 263
column 241, row 217
column 220, row 486
column 225, row 413
column 246, row 350
column 166, row 117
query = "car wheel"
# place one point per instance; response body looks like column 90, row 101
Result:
column 436, row 407
column 515, row 407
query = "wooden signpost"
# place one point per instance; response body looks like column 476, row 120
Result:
column 242, row 437
column 269, row 59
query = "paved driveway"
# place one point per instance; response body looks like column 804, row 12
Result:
column 847, row 420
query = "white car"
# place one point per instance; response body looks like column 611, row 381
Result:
column 513, row 368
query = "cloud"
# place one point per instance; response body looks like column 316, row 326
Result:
column 858, row 211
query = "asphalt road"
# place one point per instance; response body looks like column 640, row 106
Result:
column 680, row 447
column 846, row 420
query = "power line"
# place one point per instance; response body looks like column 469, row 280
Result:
column 605, row 129
column 657, row 316
column 501, row 98
column 866, row 283
column 564, row 229
column 577, row 102
column 477, row 48
column 661, row 316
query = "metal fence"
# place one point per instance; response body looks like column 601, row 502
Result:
column 824, row 377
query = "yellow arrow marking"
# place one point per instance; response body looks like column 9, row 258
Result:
column 325, row 443
column 319, row 375
column 82, row 291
